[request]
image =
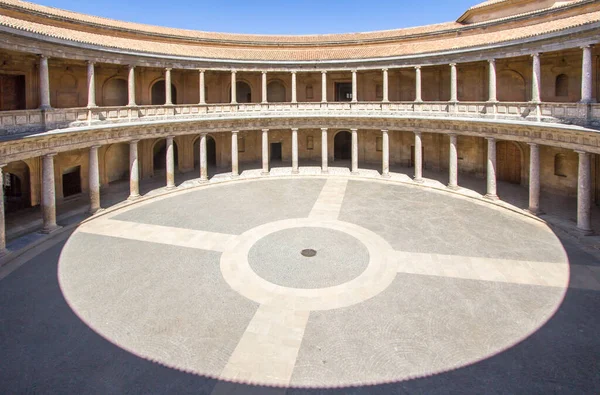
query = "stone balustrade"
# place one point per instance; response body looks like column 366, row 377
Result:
column 35, row 121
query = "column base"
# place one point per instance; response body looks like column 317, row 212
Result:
column 170, row 187
column 324, row 171
column 385, row 175
column 419, row 180
column 453, row 187
column 202, row 180
column 491, row 197
column 4, row 252
column 235, row 176
column 585, row 232
column 295, row 171
column 97, row 210
column 265, row 173
column 535, row 212
column 50, row 229
column 134, row 197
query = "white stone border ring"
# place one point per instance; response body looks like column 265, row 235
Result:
column 379, row 274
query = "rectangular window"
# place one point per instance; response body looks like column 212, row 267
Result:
column 379, row 144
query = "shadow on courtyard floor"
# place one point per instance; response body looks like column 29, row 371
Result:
column 46, row 348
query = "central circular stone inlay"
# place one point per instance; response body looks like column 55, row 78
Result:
column 309, row 252
column 341, row 257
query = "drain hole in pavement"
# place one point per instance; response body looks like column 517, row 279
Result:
column 308, row 253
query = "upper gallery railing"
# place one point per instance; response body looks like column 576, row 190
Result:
column 34, row 121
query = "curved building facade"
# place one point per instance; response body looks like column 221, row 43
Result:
column 504, row 95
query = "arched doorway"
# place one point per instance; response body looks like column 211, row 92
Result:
column 158, row 93
column 159, row 155
column 508, row 162
column 342, row 146
column 114, row 92
column 211, row 152
column 17, row 192
column 276, row 92
column 243, row 92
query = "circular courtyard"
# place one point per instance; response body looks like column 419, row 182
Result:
column 314, row 281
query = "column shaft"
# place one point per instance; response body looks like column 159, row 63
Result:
column 386, row 97
column 586, row 75
column 170, row 163
column 584, row 194
column 294, row 93
column 265, row 151
column 233, row 88
column 264, row 87
column 94, row 180
column 44, row 83
column 492, row 81
column 453, row 165
column 491, row 169
column 354, row 151
column 202, row 87
column 323, row 86
column 295, row 151
column 48, row 194
column 131, row 86
column 168, row 99
column 453, row 83
column 418, row 158
column 134, row 171
column 203, row 158
column 91, row 83
column 234, row 154
column 3, row 250
column 534, row 178
column 324, row 151
column 418, row 84
column 354, row 87
column 385, row 154
column 536, row 79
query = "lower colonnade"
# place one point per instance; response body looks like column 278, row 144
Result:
column 267, row 151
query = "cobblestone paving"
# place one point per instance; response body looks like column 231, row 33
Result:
column 400, row 304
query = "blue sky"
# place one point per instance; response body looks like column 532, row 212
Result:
column 274, row 16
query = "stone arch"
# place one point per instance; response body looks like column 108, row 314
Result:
column 561, row 86
column 115, row 92
column 511, row 86
column 342, row 145
column 211, row 152
column 157, row 92
column 276, row 91
column 509, row 159
column 116, row 162
column 66, row 94
column 243, row 91
column 159, row 154
column 16, row 184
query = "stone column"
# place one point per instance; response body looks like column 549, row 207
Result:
column 233, row 87
column 385, row 153
column 203, row 158
column 354, row 151
column 323, row 86
column 131, row 86
column 492, row 81
column 264, row 87
column 94, row 182
column 202, row 87
column 418, row 98
column 386, row 96
column 453, row 83
column 134, row 171
column 265, row 152
column 534, row 178
column 294, row 93
column 234, row 154
column 91, row 83
column 536, row 79
column 586, row 75
column 168, row 99
column 453, row 165
column 170, row 163
column 324, row 151
column 44, row 83
column 48, row 194
column 3, row 250
column 418, row 158
column 491, row 169
column 354, row 87
column 584, row 194
column 295, row 151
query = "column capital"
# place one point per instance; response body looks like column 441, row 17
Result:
column 354, row 71
column 354, row 130
column 323, row 71
column 294, row 129
column 533, row 144
column 233, row 71
column 581, row 152
column 131, row 66
column 490, row 138
column 586, row 46
column 535, row 55
column 168, row 68
column 92, row 62
column 201, row 70
column 418, row 67
column 2, row 165
column 492, row 61
column 384, row 130
column 452, row 64
column 263, row 72
column 203, row 133
column 265, row 130
column 42, row 56
column 170, row 137
column 95, row 147
column 131, row 142
column 324, row 129
column 384, row 69
column 50, row 155
column 417, row 133
column 293, row 71
column 452, row 134
column 235, row 131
